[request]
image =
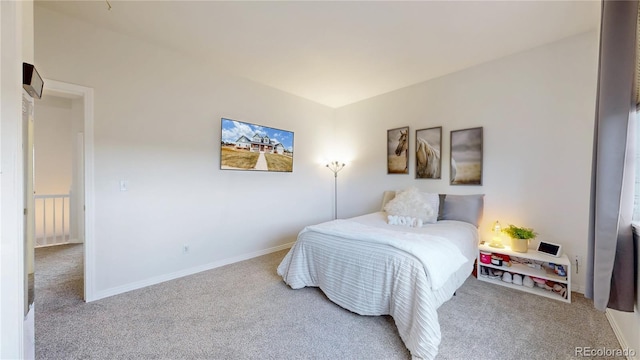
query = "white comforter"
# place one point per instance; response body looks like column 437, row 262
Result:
column 372, row 268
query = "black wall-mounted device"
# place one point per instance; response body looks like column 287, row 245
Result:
column 31, row 80
column 550, row 248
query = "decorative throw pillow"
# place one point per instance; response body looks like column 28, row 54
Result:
column 467, row 208
column 386, row 197
column 404, row 221
column 413, row 204
column 434, row 204
column 441, row 206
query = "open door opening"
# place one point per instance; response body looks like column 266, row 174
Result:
column 58, row 195
column 61, row 215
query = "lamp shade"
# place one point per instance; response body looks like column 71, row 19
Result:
column 497, row 228
column 496, row 240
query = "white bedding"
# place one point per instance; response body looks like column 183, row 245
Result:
column 380, row 275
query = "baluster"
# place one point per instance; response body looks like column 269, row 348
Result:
column 55, row 232
column 44, row 222
column 64, row 236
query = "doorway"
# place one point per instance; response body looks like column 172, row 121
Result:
column 62, row 204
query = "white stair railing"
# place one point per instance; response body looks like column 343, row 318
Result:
column 52, row 213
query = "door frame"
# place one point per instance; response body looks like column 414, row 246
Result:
column 12, row 248
column 89, row 199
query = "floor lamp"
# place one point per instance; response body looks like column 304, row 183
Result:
column 335, row 167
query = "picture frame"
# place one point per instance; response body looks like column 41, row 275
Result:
column 466, row 157
column 247, row 146
column 428, row 150
column 398, row 150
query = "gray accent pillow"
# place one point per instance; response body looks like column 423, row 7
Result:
column 467, row 208
column 441, row 206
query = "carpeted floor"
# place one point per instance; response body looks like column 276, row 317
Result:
column 245, row 311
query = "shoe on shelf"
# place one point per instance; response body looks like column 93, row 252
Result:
column 506, row 277
column 483, row 271
column 517, row 279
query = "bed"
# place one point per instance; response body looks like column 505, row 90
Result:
column 370, row 267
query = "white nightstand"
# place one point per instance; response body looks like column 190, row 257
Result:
column 542, row 271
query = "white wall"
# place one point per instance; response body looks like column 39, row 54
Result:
column 537, row 112
column 157, row 125
column 54, row 144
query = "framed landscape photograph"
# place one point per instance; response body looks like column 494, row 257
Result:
column 428, row 149
column 466, row 157
column 246, row 146
column 398, row 151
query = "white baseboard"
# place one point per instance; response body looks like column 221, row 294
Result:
column 577, row 288
column 56, row 244
column 186, row 272
column 619, row 334
column 65, row 242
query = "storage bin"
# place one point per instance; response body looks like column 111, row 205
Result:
column 504, row 257
column 520, row 245
column 496, row 260
column 485, row 257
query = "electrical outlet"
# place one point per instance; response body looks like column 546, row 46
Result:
column 185, row 249
column 576, row 263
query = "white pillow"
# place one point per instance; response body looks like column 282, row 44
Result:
column 404, row 221
column 386, row 197
column 414, row 204
column 433, row 201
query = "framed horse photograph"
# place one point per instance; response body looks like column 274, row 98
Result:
column 428, row 149
column 466, row 157
column 398, row 151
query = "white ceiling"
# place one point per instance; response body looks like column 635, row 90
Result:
column 336, row 53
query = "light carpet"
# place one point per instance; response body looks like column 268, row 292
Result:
column 245, row 311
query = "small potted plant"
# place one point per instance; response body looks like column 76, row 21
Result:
column 520, row 237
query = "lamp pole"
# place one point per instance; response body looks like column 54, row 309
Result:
column 335, row 167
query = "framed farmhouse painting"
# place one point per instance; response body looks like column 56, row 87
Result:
column 246, row 146
column 428, row 149
column 398, row 151
column 466, row 157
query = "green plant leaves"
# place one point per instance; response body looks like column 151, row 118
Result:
column 518, row 232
